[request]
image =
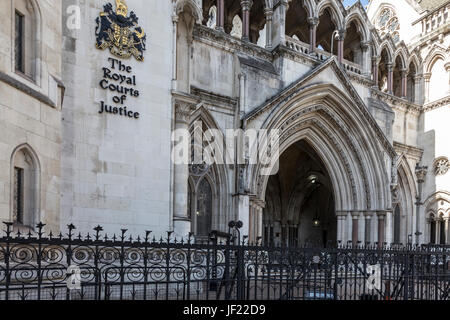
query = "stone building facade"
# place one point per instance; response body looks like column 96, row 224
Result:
column 91, row 94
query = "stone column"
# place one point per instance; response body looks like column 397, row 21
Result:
column 361, row 228
column 181, row 221
column 381, row 229
column 341, row 236
column 220, row 19
column 368, row 232
column 447, row 68
column 404, row 92
column 260, row 222
column 269, row 21
column 375, row 61
column 349, row 228
column 417, row 89
column 340, row 47
column 447, row 230
column 390, row 69
column 313, row 22
column 428, row 230
column 174, row 51
column 374, row 228
column 279, row 24
column 427, row 77
column 438, row 230
column 421, row 173
column 366, row 61
column 251, row 222
column 243, row 213
column 246, row 6
column 355, row 223
column 388, row 228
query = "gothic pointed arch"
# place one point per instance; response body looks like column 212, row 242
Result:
column 25, row 186
column 358, row 18
column 335, row 9
column 316, row 114
column 405, row 197
column 215, row 173
column 190, row 6
column 30, row 55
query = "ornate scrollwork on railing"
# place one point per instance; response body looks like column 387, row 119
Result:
column 129, row 269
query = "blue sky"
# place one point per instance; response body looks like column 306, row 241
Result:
column 350, row 2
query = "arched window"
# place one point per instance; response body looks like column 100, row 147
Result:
column 442, row 236
column 25, row 188
column 25, row 38
column 438, row 87
column 388, row 23
column 411, row 83
column 203, row 214
column 432, row 229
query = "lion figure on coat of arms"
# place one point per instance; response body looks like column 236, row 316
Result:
column 120, row 32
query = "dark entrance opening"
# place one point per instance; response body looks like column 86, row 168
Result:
column 299, row 200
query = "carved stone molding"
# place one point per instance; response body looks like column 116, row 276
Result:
column 183, row 111
column 421, row 173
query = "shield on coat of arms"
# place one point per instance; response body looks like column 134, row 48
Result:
column 120, row 32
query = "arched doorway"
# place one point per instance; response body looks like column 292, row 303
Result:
column 299, row 200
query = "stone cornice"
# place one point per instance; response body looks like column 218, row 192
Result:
column 412, row 152
column 396, row 102
column 360, row 79
column 286, row 52
column 184, row 104
column 216, row 100
column 226, row 42
column 437, row 104
column 28, row 90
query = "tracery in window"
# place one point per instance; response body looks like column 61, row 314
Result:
column 388, row 23
column 384, row 17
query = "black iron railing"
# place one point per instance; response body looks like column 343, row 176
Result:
column 47, row 267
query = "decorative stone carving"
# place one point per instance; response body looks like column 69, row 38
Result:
column 421, row 173
column 198, row 169
column 183, row 111
column 441, row 166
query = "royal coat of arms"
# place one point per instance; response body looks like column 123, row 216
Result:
column 120, row 32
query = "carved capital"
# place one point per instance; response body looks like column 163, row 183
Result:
column 183, row 111
column 246, row 4
column 447, row 66
column 390, row 66
column 268, row 12
column 404, row 72
column 421, row 173
column 381, row 215
column 313, row 21
column 365, row 45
